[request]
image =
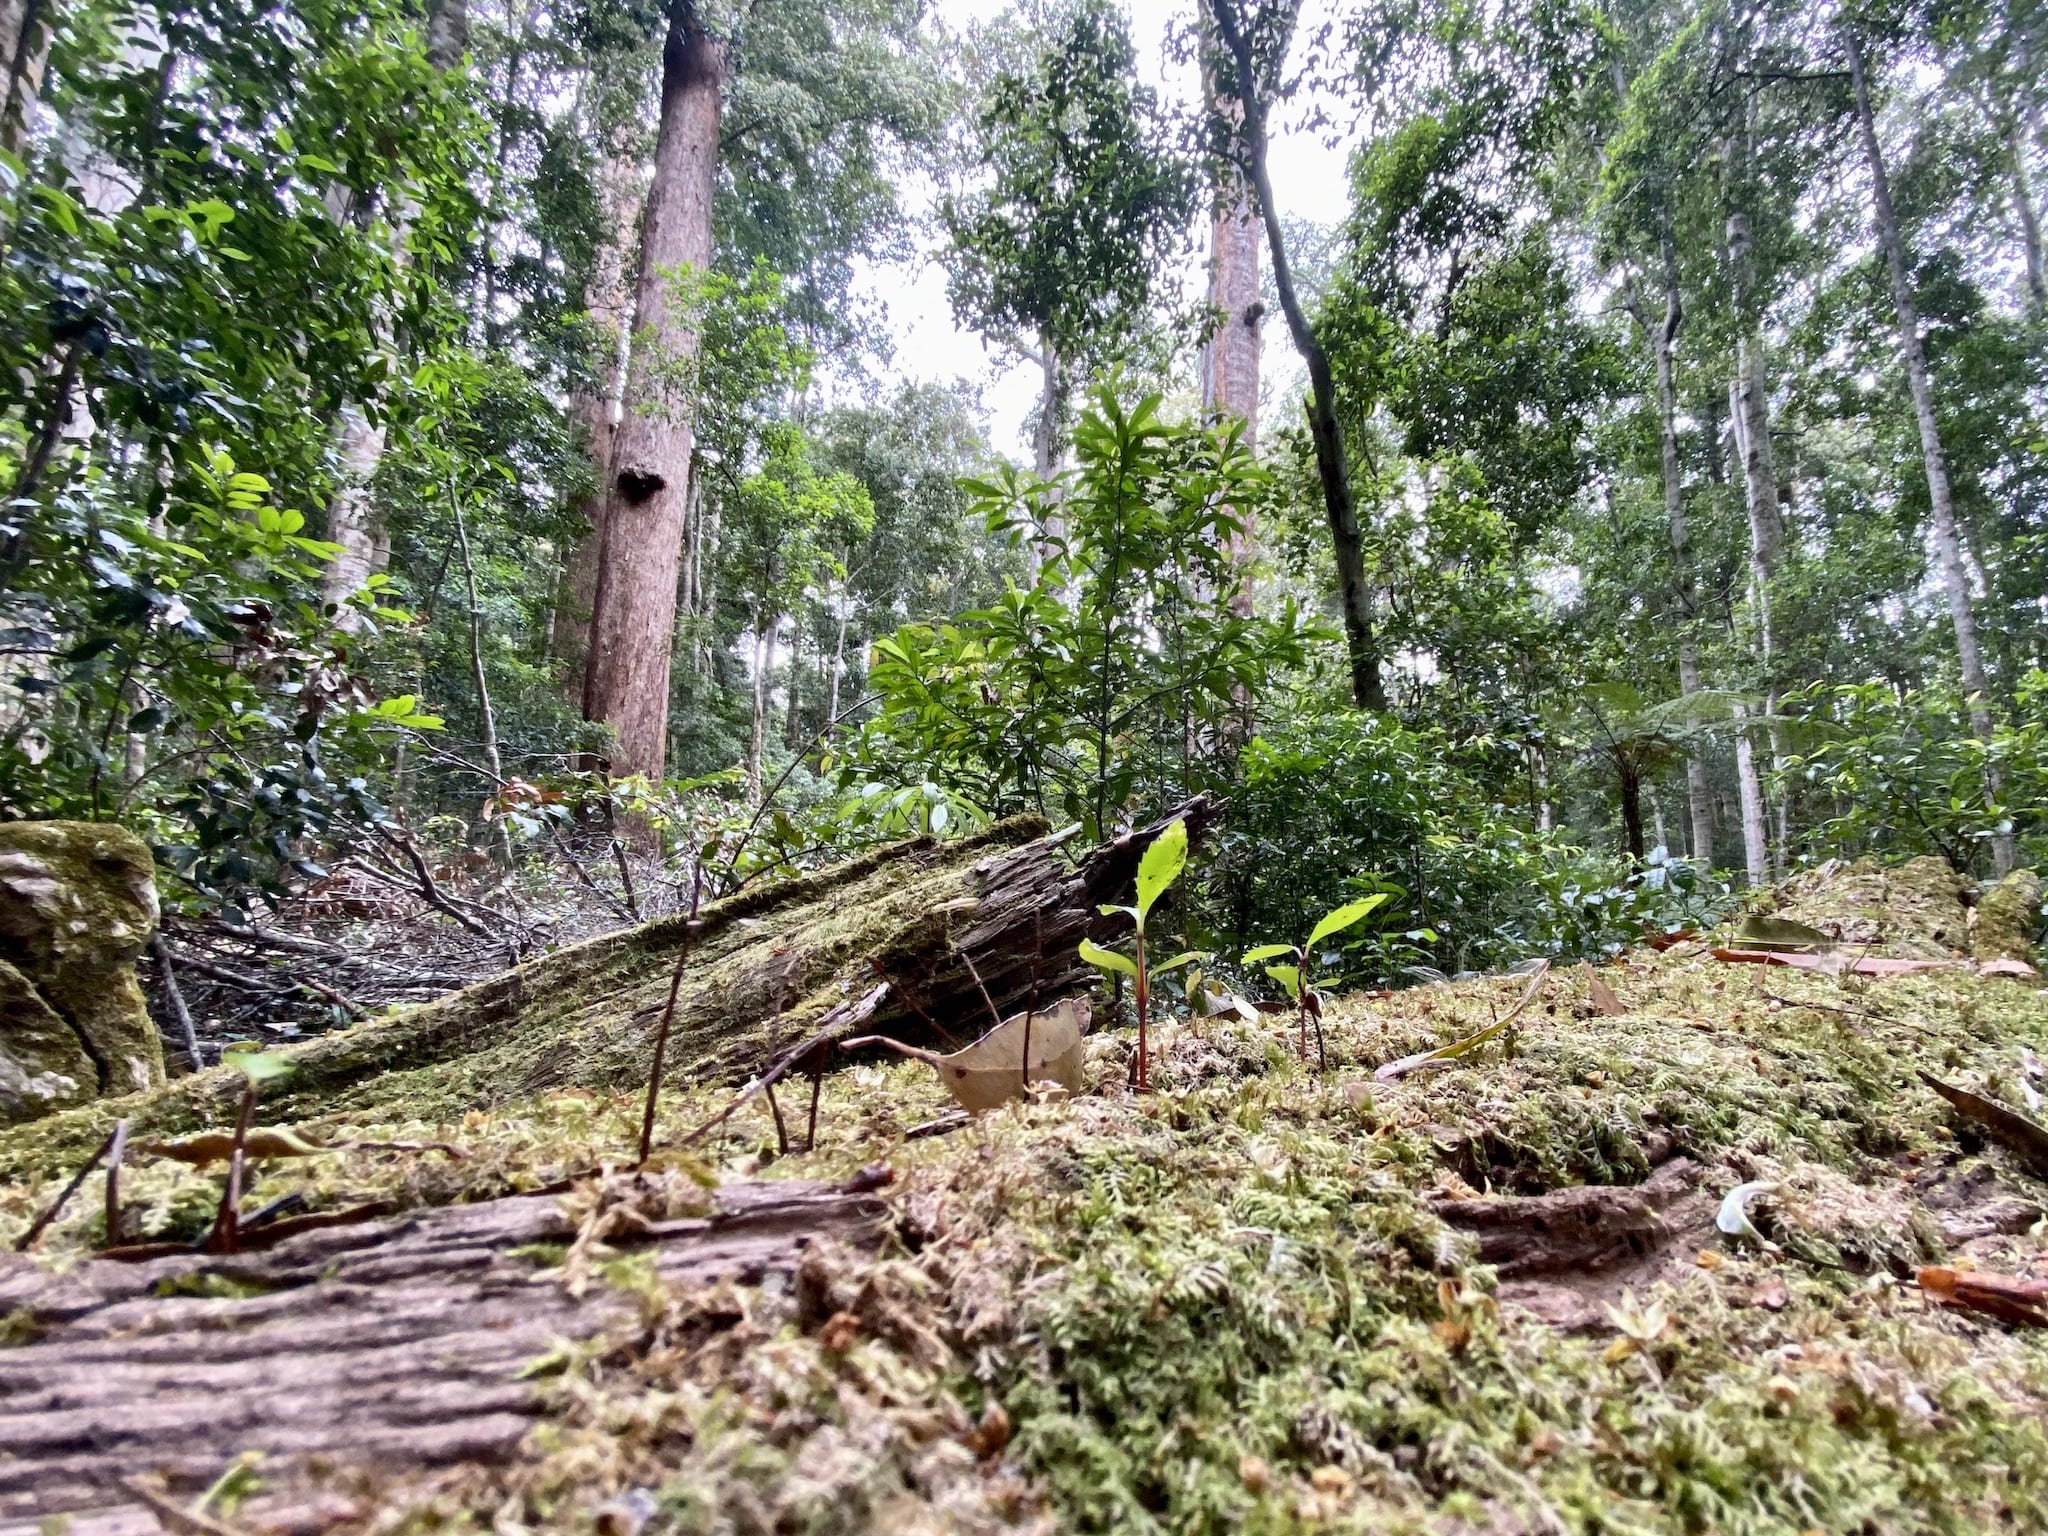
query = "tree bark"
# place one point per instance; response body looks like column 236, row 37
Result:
column 1663, row 341
column 608, row 306
column 1749, row 410
column 1368, row 691
column 1230, row 357
column 1948, row 547
column 1755, row 844
column 25, row 31
column 764, row 658
column 1632, row 813
column 626, row 682
column 2017, row 139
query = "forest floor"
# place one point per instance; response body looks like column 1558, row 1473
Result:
column 1269, row 1296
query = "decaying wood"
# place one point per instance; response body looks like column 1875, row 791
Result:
column 1573, row 1231
column 940, row 924
column 403, row 1343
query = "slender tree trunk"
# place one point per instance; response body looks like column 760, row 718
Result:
column 792, row 720
column 1663, row 340
column 608, row 305
column 487, row 717
column 354, row 520
column 1368, row 691
column 1948, row 546
column 626, row 683
column 2017, row 138
column 757, row 738
column 25, row 32
column 1750, row 412
column 1045, row 445
column 1755, row 844
column 838, row 658
column 1632, row 814
column 1230, row 357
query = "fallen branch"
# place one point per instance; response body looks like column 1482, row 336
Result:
column 168, row 974
column 1399, row 1069
column 37, row 1227
column 2008, row 1126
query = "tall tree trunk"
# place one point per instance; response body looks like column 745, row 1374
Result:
column 1368, row 691
column 1230, row 357
column 792, row 720
column 1663, row 341
column 757, row 738
column 1948, row 546
column 1632, row 812
column 354, row 520
column 1750, row 413
column 2018, row 138
column 838, row 659
column 608, row 306
column 626, row 683
column 1756, row 853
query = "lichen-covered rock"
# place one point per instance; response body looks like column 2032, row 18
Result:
column 2007, row 916
column 77, row 905
column 43, row 1066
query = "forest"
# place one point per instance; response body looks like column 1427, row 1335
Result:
column 508, row 500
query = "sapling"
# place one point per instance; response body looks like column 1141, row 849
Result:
column 1295, row 975
column 257, row 1067
column 1157, row 870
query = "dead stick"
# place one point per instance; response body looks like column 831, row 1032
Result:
column 117, row 1144
column 668, row 1014
column 173, row 1516
column 27, row 1239
column 226, row 1234
column 838, row 1021
column 817, row 1084
column 781, row 1130
column 176, row 998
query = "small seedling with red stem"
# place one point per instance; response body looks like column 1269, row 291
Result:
column 1157, row 870
column 1294, row 976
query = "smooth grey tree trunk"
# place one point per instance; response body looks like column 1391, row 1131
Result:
column 1948, row 544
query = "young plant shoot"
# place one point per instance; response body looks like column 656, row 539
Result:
column 1294, row 976
column 1157, row 870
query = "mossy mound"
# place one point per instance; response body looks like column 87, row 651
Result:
column 2007, row 918
column 1246, row 1301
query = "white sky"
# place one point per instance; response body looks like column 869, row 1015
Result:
column 1308, row 181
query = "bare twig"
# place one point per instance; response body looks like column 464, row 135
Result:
column 117, row 1144
column 227, row 1222
column 167, row 973
column 55, row 1208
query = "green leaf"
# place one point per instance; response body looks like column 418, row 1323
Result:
column 259, row 1066
column 1344, row 917
column 1162, row 864
column 1176, row 962
column 1266, row 952
column 1289, row 976
column 1107, row 959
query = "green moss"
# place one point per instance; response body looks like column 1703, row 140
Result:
column 2007, row 918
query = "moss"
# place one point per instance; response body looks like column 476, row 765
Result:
column 2007, row 918
column 77, row 905
column 1230, row 1306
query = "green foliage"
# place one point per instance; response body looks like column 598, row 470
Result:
column 1111, row 687
column 1904, row 773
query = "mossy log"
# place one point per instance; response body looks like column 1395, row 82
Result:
column 945, row 931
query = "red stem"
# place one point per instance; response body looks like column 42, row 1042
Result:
column 1144, row 1015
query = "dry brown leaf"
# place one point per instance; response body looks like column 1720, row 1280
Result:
column 2005, row 1297
column 991, row 1071
column 1602, row 996
column 218, row 1146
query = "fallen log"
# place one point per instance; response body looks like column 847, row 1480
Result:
column 954, row 931
column 404, row 1343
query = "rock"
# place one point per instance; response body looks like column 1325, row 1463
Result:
column 77, row 905
column 2007, row 916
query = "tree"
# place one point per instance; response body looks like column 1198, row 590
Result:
column 1057, row 256
column 640, row 543
column 1948, row 550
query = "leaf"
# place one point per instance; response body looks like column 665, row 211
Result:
column 1289, row 976
column 218, row 1146
column 1602, row 996
column 991, row 1070
column 1107, row 959
column 2026, row 1137
column 1266, row 952
column 1162, row 864
column 1344, row 917
column 259, row 1066
column 1733, row 1217
column 1761, row 931
column 1399, row 1069
column 1179, row 960
column 2006, row 1297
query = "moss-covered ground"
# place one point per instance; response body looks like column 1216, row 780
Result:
column 1230, row 1306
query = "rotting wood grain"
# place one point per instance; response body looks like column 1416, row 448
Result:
column 395, row 1344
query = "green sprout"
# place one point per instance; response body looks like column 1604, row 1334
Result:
column 1157, row 870
column 1294, row 976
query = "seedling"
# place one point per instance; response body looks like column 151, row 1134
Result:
column 1157, row 870
column 257, row 1068
column 1294, row 975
